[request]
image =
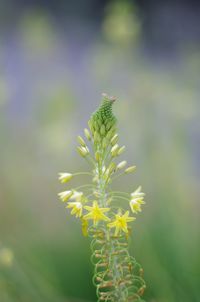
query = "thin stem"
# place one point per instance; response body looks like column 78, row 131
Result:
column 84, row 186
column 121, row 197
column 119, row 192
column 83, row 173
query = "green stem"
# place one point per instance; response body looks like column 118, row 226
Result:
column 82, row 173
column 119, row 293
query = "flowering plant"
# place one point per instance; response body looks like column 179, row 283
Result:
column 117, row 275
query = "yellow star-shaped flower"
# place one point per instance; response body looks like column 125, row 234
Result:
column 96, row 213
column 120, row 223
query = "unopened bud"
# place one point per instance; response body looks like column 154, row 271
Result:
column 109, row 134
column 99, row 123
column 112, row 167
column 81, row 141
column 114, row 150
column 87, row 134
column 83, row 151
column 121, row 165
column 65, row 177
column 108, row 125
column 96, row 137
column 114, row 139
column 96, row 126
column 91, row 126
column 130, row 169
column 121, row 150
column 104, row 142
column 103, row 130
column 65, row 196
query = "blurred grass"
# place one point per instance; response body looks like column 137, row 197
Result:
column 46, row 97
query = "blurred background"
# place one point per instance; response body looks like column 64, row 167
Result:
column 56, row 59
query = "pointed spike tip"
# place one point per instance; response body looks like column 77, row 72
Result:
column 112, row 99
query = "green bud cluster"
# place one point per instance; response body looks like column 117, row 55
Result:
column 103, row 123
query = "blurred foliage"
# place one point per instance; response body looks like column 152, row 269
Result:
column 50, row 87
column 122, row 25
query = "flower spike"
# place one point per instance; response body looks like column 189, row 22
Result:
column 103, row 219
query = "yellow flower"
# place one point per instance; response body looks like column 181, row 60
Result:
column 135, row 205
column 96, row 213
column 137, row 200
column 76, row 207
column 120, row 223
column 65, row 177
column 65, row 196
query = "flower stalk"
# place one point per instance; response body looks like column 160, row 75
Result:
column 117, row 275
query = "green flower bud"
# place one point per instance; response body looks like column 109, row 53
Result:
column 87, row 134
column 96, row 126
column 97, row 137
column 114, row 150
column 104, row 142
column 103, row 119
column 81, row 141
column 83, row 151
column 112, row 167
column 103, row 130
column 114, row 139
column 121, row 150
column 109, row 134
column 91, row 126
column 108, row 125
column 65, row 196
column 130, row 169
column 65, row 177
column 99, row 123
column 121, row 165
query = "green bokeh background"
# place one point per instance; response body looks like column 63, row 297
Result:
column 50, row 83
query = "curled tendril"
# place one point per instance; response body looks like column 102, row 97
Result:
column 108, row 256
